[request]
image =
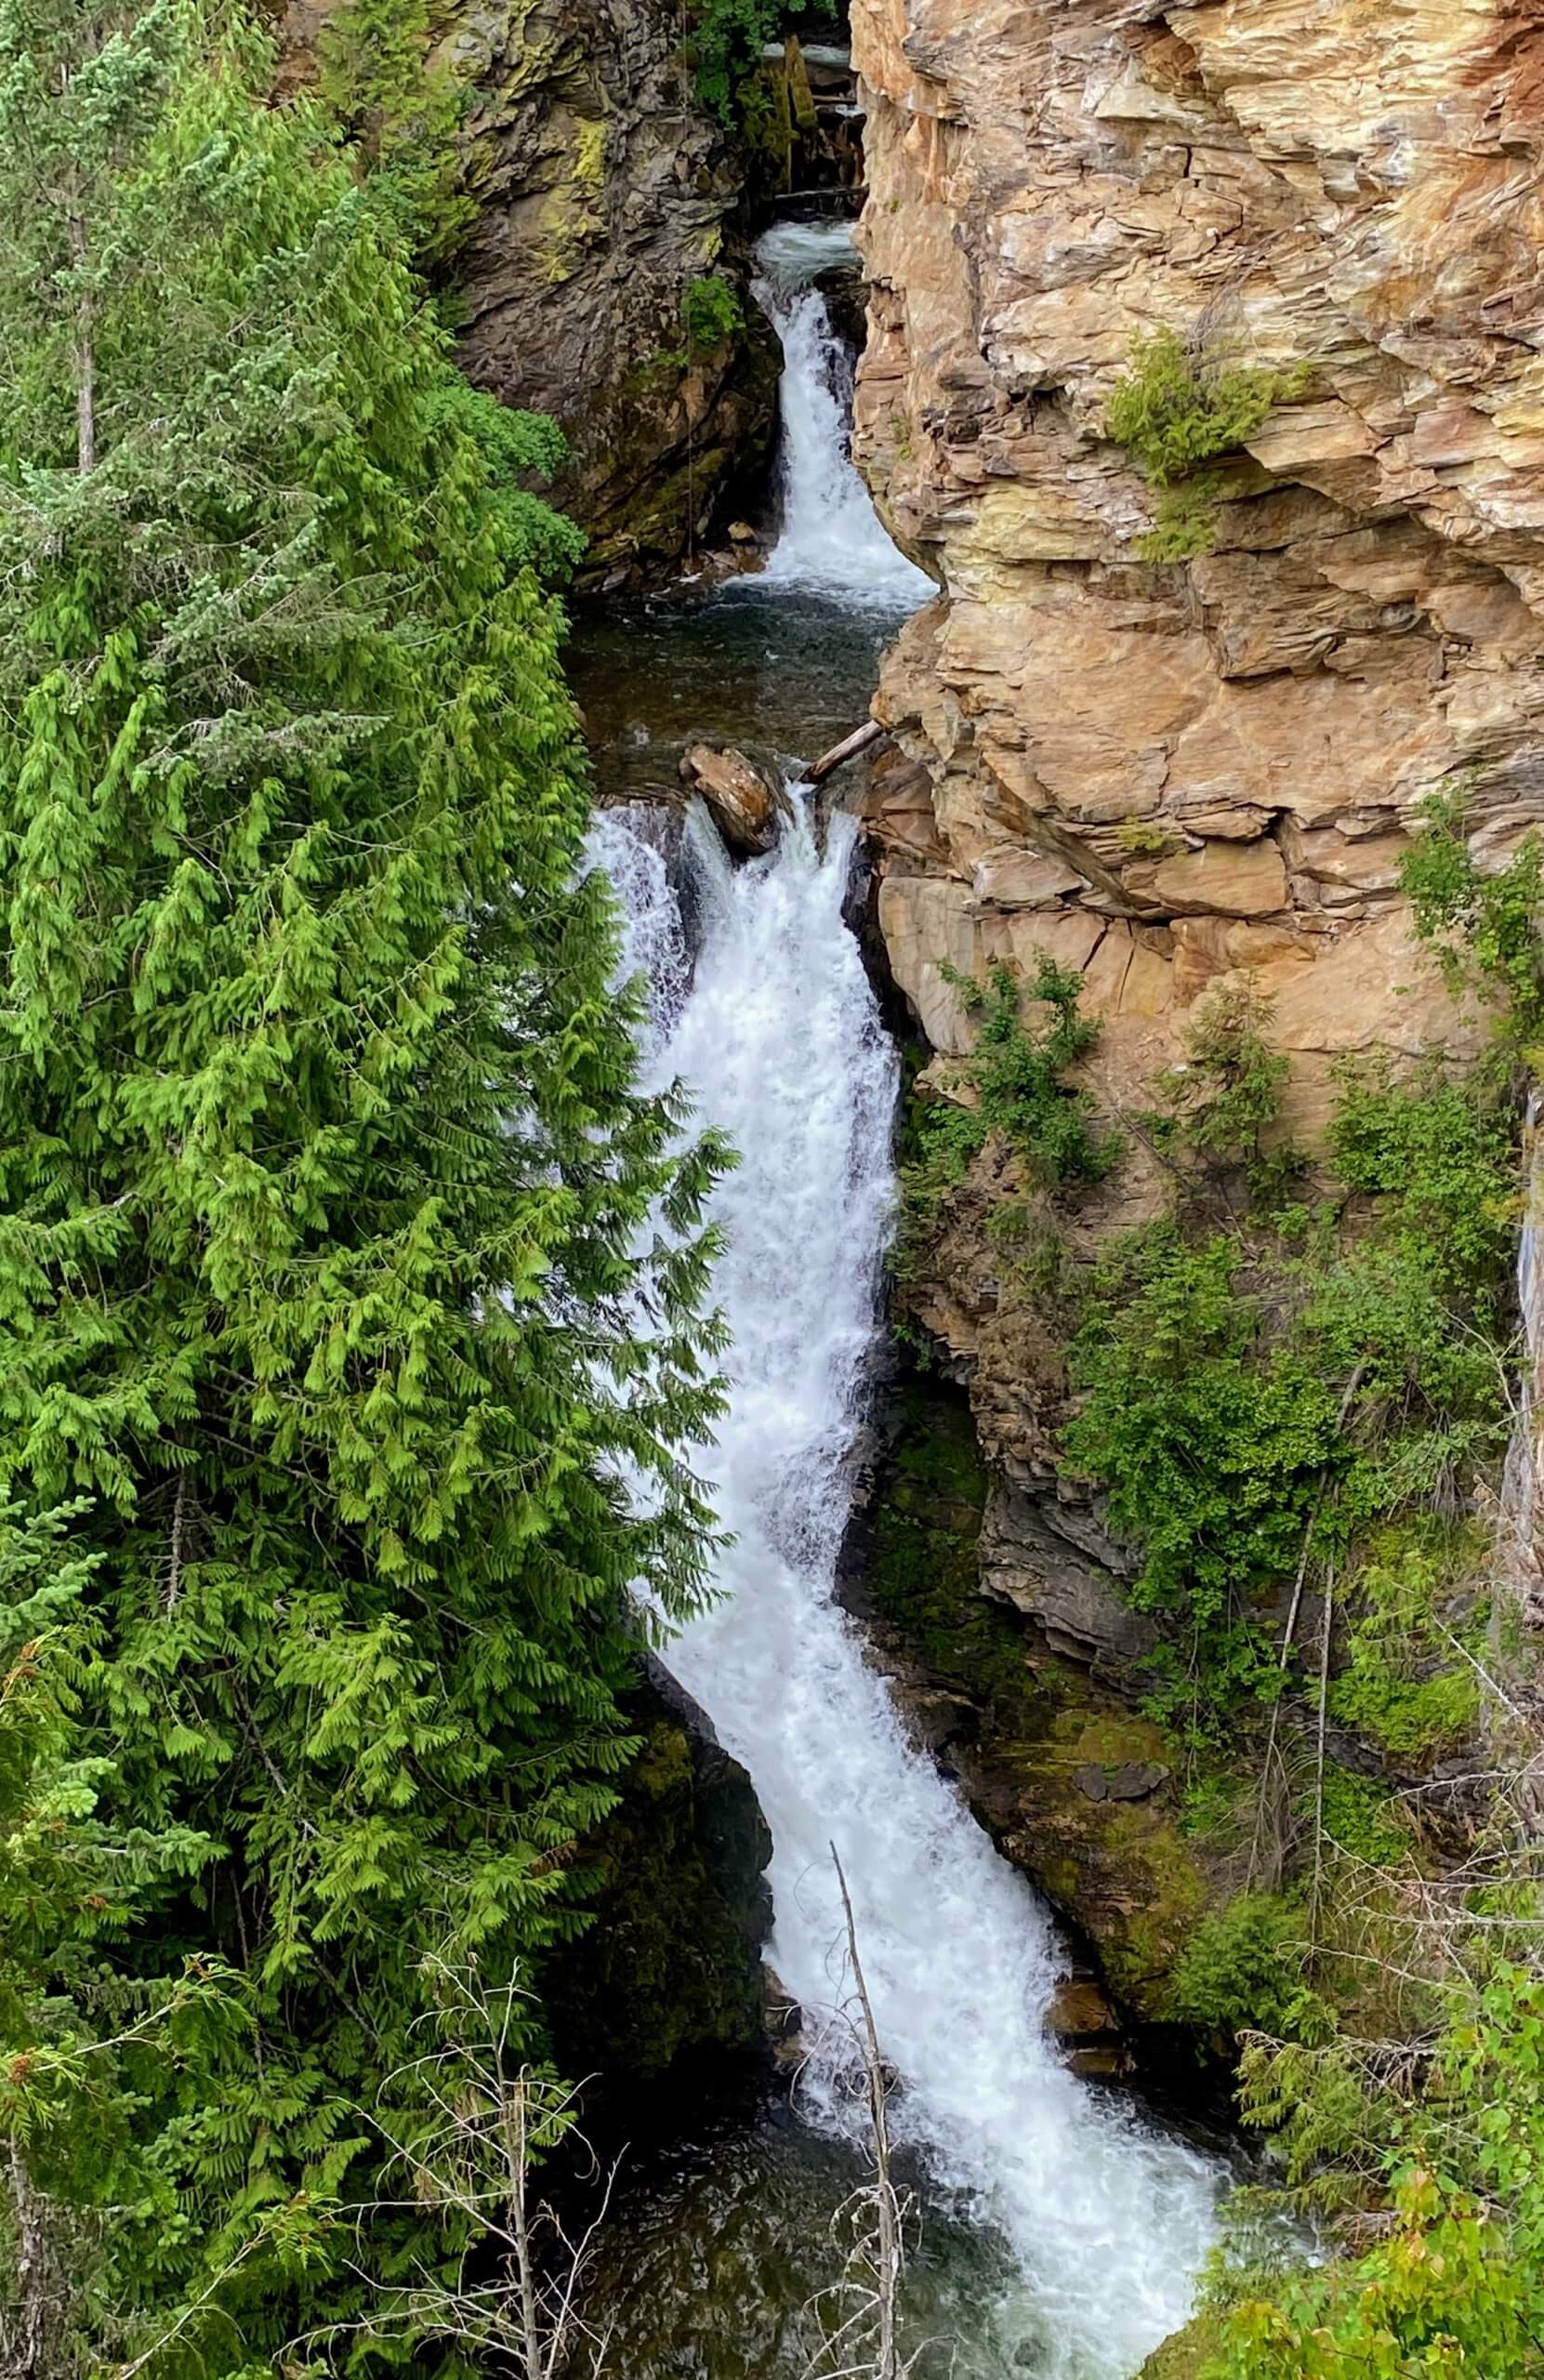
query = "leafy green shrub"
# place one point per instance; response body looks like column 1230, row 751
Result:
column 1405, row 1683
column 1443, row 1150
column 1361, row 1819
column 1239, row 1969
column 1486, row 928
column 401, row 110
column 1177, row 409
column 515, row 445
column 1016, row 1078
column 1213, row 1445
column 728, row 36
column 711, row 313
column 1454, row 2284
column 1228, row 1092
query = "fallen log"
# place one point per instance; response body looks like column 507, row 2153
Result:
column 861, row 739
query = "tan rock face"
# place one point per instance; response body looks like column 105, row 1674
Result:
column 1164, row 774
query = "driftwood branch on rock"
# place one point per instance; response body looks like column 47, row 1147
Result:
column 861, row 739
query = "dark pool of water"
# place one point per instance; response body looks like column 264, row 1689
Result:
column 782, row 672
column 722, row 2267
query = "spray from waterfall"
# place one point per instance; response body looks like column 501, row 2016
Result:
column 831, row 538
column 780, row 1039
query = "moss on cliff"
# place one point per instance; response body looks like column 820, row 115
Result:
column 670, row 1969
column 1189, row 2354
column 1073, row 1785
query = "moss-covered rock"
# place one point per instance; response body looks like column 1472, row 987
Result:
column 669, row 1972
column 1189, row 2355
column 1075, row 1785
column 604, row 189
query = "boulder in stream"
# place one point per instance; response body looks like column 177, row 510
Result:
column 743, row 801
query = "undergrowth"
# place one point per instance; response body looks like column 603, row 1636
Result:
column 1013, row 1085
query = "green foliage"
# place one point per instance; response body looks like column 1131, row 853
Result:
column 515, row 447
column 1399, row 1684
column 1173, row 412
column 1440, row 1150
column 401, row 110
column 1015, row 1086
column 1361, row 1819
column 1486, row 926
column 1243, row 1397
column 1227, row 1095
column 1175, row 409
column 1213, row 1437
column 322, row 1189
column 728, row 36
column 712, row 313
column 1241, row 1967
column 1456, row 2285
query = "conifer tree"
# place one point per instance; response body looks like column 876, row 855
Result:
column 341, row 1366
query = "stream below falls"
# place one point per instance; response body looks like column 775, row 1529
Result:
column 1059, row 2233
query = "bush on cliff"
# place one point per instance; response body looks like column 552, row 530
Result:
column 1175, row 410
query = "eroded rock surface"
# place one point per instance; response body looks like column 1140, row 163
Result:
column 604, row 189
column 1165, row 774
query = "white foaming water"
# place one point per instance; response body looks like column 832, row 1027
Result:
column 831, row 537
column 780, row 1039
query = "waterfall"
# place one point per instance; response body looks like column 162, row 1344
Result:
column 780, row 1039
column 831, row 537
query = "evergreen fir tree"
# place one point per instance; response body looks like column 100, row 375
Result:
column 333, row 1337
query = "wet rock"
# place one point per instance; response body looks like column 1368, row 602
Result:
column 669, row 1977
column 1023, row 1724
column 743, row 802
column 1030, row 1557
column 782, row 2021
column 1133, row 1780
column 1083, row 2018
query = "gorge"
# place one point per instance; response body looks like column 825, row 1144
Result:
column 772, row 981
column 769, row 1018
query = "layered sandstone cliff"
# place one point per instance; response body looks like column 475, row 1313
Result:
column 1175, row 776
column 1162, row 774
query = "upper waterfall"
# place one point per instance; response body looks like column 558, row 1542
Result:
column 831, row 538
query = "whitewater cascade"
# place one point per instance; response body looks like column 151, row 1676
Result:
column 780, row 1039
column 831, row 537
column 773, row 1024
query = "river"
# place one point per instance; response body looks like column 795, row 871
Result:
column 1060, row 2233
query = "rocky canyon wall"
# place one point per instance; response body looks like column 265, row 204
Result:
column 1171, row 776
column 604, row 189
column 1164, row 774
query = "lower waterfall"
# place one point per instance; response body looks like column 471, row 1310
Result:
column 780, row 1039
